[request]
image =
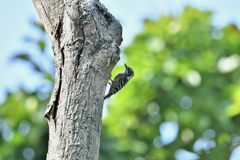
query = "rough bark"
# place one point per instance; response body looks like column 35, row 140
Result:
column 85, row 39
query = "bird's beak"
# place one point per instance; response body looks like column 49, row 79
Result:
column 125, row 65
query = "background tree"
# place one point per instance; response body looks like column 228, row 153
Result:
column 24, row 131
column 186, row 82
column 184, row 95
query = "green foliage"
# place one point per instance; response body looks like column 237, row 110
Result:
column 24, row 131
column 187, row 73
column 23, row 126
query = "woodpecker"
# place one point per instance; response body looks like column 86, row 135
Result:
column 120, row 81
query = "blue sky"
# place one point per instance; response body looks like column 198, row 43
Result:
column 16, row 17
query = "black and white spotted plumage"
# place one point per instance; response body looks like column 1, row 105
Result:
column 120, row 81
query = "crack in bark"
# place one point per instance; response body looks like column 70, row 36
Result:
column 56, row 102
column 63, row 57
column 54, row 95
column 53, row 104
column 58, row 33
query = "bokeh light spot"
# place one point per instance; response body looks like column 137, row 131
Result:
column 7, row 134
column 168, row 132
column 182, row 154
column 228, row 64
column 208, row 134
column 24, row 127
column 31, row 103
column 187, row 135
column 157, row 142
column 186, row 102
column 152, row 108
column 174, row 27
column 28, row 153
column 194, row 78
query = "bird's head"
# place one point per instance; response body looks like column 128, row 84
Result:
column 129, row 71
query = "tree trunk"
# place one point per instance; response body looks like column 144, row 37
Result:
column 85, row 39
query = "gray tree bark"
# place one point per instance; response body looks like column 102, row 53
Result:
column 85, row 39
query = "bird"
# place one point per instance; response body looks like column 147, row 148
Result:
column 120, row 81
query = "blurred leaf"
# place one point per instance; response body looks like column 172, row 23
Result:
column 21, row 56
column 48, row 77
column 36, row 67
column 27, row 58
column 39, row 25
column 41, row 44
